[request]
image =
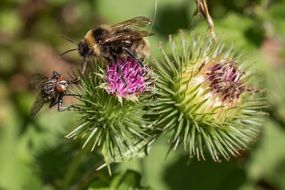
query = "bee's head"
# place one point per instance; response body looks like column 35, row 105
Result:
column 84, row 49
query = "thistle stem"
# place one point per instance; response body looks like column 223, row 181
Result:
column 73, row 166
column 88, row 176
column 142, row 168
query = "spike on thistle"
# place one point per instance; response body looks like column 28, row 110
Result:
column 203, row 98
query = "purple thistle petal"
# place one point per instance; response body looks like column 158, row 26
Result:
column 225, row 80
column 127, row 77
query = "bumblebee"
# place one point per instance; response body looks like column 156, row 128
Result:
column 123, row 39
column 52, row 90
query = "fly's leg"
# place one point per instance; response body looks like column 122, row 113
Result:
column 72, row 95
column 60, row 108
column 75, row 81
column 59, row 103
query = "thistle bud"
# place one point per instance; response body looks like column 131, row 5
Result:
column 204, row 99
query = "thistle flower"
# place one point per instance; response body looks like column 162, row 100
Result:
column 205, row 99
column 127, row 78
column 115, row 129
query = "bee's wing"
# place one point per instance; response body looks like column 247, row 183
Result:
column 136, row 23
column 129, row 29
column 124, row 35
column 37, row 105
column 38, row 79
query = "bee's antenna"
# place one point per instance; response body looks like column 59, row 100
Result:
column 154, row 16
column 70, row 40
column 67, row 52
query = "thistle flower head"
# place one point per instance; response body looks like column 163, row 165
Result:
column 203, row 98
column 117, row 130
column 127, row 78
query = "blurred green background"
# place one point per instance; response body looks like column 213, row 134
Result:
column 34, row 153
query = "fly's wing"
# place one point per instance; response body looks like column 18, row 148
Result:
column 37, row 105
column 129, row 29
column 38, row 79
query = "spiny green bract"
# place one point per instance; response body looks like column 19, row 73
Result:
column 115, row 128
column 205, row 99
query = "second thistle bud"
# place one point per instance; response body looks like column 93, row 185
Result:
column 220, row 84
column 203, row 99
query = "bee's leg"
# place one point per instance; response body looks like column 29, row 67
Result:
column 133, row 55
column 130, row 53
column 118, row 67
column 119, row 70
column 84, row 66
column 140, row 61
column 110, row 59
